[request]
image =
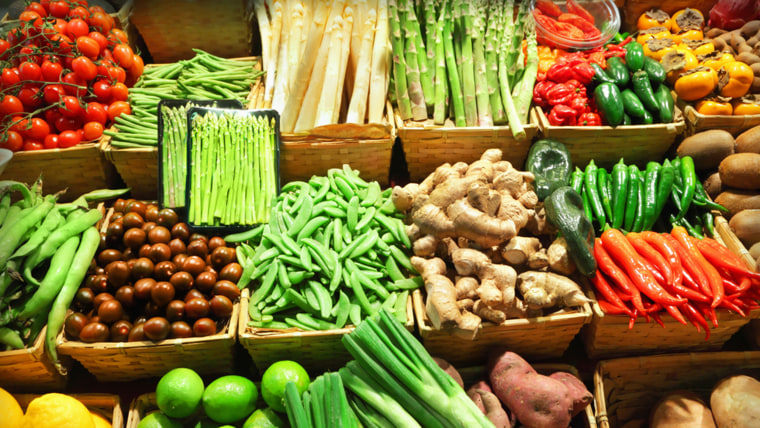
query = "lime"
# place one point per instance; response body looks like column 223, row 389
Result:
column 207, row 423
column 229, row 399
column 264, row 418
column 156, row 419
column 276, row 376
column 179, row 392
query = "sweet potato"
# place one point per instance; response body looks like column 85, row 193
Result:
column 735, row 402
column 681, row 409
column 707, row 148
column 536, row 400
column 741, row 171
column 450, row 370
column 749, row 140
column 580, row 395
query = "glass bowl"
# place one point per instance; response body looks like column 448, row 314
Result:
column 606, row 18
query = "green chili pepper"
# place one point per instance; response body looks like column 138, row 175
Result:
column 619, row 193
column 651, row 177
column 708, row 221
column 605, row 192
column 633, row 202
column 664, row 187
column 643, row 89
column 576, row 180
column 590, row 179
column 690, row 181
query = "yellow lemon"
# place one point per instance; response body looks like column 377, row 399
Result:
column 56, row 410
column 100, row 420
column 10, row 409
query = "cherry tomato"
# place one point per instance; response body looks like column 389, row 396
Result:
column 59, row 9
column 37, row 7
column 96, row 8
column 88, row 47
column 9, row 77
column 53, row 93
column 70, row 106
column 100, row 38
column 101, row 22
column 52, row 115
column 50, row 141
column 29, row 71
column 75, row 85
column 84, row 67
column 119, row 92
column 19, row 124
column 4, row 46
column 28, row 16
column 68, row 139
column 120, row 35
column 79, row 12
column 67, row 123
column 30, row 52
column 10, row 105
column 77, row 27
column 38, row 130
column 117, row 73
column 60, row 25
column 92, row 131
column 95, row 112
column 136, row 70
column 32, row 145
column 62, row 42
column 116, row 109
column 16, row 36
column 102, row 90
column 14, row 142
column 123, row 55
column 30, row 97
column 51, row 71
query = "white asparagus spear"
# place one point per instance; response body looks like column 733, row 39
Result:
column 265, row 30
column 348, row 23
column 281, row 88
column 357, row 108
column 330, row 81
column 274, row 51
column 378, row 89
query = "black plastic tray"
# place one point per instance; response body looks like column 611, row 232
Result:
column 201, row 111
column 228, row 104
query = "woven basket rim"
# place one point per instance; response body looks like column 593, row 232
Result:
column 677, row 126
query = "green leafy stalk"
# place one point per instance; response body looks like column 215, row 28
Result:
column 426, row 80
column 515, row 57
column 492, row 66
column 399, row 62
column 416, row 93
column 515, row 124
column 431, row 24
column 440, row 108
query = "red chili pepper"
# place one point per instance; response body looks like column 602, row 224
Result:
column 608, row 266
column 731, row 305
column 562, row 115
column 696, row 318
column 676, row 314
column 545, row 21
column 622, row 252
column 708, row 312
column 598, row 57
column 659, row 243
column 713, row 276
column 720, row 256
column 574, row 7
column 691, row 266
column 652, row 255
column 611, row 309
column 548, row 7
column 605, row 289
column 610, row 54
column 590, row 118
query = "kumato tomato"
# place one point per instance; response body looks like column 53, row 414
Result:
column 92, row 131
column 14, row 142
column 68, row 139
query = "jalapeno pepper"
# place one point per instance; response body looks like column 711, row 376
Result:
column 632, row 198
column 665, row 104
column 634, row 56
column 651, row 177
column 592, row 188
column 609, row 101
column 643, row 90
column 600, row 75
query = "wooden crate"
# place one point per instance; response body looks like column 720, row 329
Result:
column 637, row 144
column 138, row 167
column 78, row 169
column 626, row 389
column 31, row 370
column 221, row 28
column 427, row 146
column 698, row 122
column 535, row 339
column 317, row 351
column 125, row 361
column 109, row 405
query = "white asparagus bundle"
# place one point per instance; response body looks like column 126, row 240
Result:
column 327, row 61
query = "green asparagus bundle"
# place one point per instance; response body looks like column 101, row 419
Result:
column 462, row 60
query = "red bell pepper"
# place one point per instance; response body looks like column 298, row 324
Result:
column 562, row 115
column 539, row 93
column 575, row 8
column 548, row 7
column 590, row 119
column 561, row 93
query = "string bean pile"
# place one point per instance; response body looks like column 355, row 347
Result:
column 232, row 169
column 332, row 252
column 203, row 77
column 45, row 252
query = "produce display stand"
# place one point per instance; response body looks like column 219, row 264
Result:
column 317, row 350
column 138, row 167
column 78, row 169
column 427, row 146
column 698, row 122
column 535, row 339
column 367, row 148
column 626, row 389
column 106, row 404
column 637, row 144
column 125, row 361
column 31, row 369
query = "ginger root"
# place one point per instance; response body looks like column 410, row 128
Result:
column 559, row 257
column 519, row 249
column 546, row 289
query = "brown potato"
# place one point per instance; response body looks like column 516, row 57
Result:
column 681, row 409
column 735, row 402
column 741, row 171
column 707, row 148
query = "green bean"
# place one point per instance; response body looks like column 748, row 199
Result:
column 16, row 230
column 5, row 205
column 52, row 220
column 11, row 338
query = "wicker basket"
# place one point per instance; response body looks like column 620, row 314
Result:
column 535, row 339
column 125, row 361
column 317, row 351
column 79, row 169
column 697, row 122
column 31, row 370
column 637, row 144
column 626, row 389
column 427, row 146
column 220, row 28
column 729, row 238
column 138, row 167
column 109, row 405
